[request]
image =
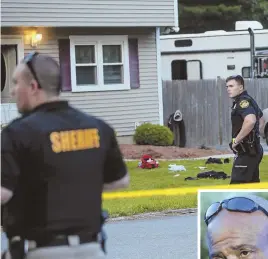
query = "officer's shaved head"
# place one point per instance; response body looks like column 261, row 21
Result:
column 239, row 234
column 235, row 85
column 34, row 88
column 238, row 79
column 47, row 72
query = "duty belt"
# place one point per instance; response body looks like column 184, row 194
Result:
column 57, row 240
column 63, row 240
column 19, row 247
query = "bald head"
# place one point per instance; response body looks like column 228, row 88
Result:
column 239, row 235
column 47, row 71
column 33, row 88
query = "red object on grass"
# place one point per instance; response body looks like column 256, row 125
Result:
column 147, row 162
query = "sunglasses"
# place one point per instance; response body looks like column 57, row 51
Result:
column 28, row 60
column 237, row 204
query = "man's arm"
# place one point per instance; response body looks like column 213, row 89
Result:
column 261, row 124
column 9, row 166
column 115, row 171
column 6, row 195
column 248, row 113
column 119, row 184
column 247, row 127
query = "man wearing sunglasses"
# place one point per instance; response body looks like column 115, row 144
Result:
column 246, row 118
column 238, row 228
column 56, row 161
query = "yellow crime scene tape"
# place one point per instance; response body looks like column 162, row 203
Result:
column 181, row 191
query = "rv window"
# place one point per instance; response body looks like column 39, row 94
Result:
column 194, row 70
column 246, row 72
column 179, row 70
column 183, row 43
column 230, row 67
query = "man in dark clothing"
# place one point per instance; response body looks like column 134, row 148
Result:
column 245, row 116
column 237, row 226
column 56, row 161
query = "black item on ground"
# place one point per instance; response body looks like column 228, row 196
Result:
column 226, row 161
column 213, row 174
column 204, row 147
column 213, row 161
column 190, row 178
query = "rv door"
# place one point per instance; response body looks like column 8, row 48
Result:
column 194, row 70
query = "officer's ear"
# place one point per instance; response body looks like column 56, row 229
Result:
column 34, row 86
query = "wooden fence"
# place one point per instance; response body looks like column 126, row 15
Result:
column 206, row 108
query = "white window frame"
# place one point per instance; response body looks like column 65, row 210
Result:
column 14, row 40
column 98, row 41
column 9, row 111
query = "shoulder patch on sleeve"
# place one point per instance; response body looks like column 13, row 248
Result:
column 244, row 104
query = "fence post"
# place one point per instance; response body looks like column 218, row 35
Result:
column 219, row 90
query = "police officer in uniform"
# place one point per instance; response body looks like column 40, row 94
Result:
column 56, row 162
column 245, row 116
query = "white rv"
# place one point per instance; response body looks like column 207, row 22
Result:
column 216, row 53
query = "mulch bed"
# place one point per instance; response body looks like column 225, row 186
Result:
column 136, row 151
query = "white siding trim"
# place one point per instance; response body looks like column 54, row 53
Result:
column 159, row 77
column 98, row 41
column 176, row 13
column 14, row 40
column 87, row 13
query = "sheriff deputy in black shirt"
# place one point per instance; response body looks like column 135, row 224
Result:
column 246, row 118
column 56, row 162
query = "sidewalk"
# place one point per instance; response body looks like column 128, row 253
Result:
column 265, row 153
column 199, row 158
column 222, row 156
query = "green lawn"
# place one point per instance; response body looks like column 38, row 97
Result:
column 160, row 178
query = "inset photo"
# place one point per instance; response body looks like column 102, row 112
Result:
column 233, row 224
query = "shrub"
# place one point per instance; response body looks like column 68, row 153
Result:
column 151, row 134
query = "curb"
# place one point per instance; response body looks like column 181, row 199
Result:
column 265, row 153
column 189, row 158
column 158, row 214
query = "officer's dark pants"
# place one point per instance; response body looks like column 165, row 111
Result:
column 246, row 168
column 83, row 251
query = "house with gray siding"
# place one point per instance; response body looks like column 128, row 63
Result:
column 108, row 52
